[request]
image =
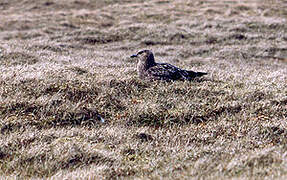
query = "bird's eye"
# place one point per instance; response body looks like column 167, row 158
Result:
column 140, row 52
column 143, row 51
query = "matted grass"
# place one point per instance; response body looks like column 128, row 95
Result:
column 65, row 67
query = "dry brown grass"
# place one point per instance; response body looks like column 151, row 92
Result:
column 64, row 64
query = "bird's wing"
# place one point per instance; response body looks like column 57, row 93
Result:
column 181, row 73
column 165, row 71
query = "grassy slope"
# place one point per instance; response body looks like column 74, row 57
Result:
column 63, row 63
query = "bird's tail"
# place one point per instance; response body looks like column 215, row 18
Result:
column 193, row 74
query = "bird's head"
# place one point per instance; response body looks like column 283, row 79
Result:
column 144, row 56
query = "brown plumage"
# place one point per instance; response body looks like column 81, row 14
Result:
column 148, row 69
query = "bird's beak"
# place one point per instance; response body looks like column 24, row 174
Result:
column 134, row 55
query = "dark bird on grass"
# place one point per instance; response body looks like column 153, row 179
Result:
column 148, row 69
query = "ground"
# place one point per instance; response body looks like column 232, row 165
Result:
column 65, row 66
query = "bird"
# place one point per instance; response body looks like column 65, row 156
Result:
column 147, row 68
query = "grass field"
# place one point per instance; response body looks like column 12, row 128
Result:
column 64, row 65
